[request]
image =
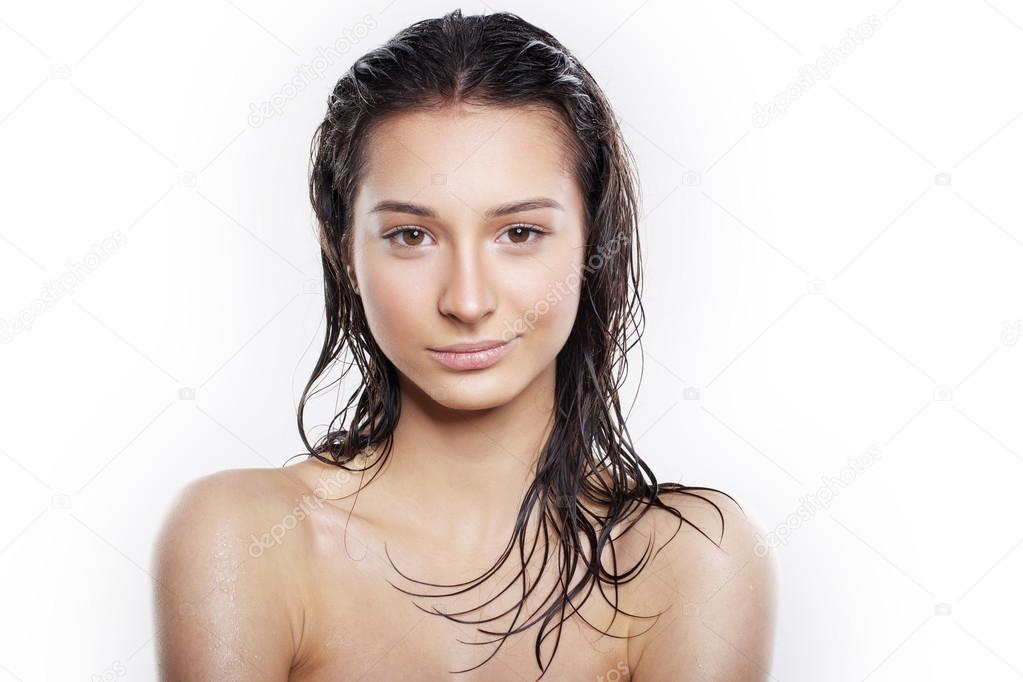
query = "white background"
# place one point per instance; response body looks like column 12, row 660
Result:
column 845, row 277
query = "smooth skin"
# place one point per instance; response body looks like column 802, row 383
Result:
column 281, row 574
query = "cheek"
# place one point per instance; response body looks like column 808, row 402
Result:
column 393, row 307
column 547, row 303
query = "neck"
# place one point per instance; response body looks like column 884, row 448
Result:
column 467, row 471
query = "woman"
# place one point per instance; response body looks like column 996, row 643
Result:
column 484, row 515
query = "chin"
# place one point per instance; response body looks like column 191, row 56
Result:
column 471, row 392
column 471, row 403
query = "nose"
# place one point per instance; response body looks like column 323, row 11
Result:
column 468, row 295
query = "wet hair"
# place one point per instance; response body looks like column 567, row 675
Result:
column 589, row 478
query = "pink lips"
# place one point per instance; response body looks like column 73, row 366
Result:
column 477, row 355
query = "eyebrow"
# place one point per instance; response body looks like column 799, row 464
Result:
column 493, row 212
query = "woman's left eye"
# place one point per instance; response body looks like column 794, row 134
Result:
column 523, row 231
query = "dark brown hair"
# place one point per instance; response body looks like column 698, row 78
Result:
column 588, row 459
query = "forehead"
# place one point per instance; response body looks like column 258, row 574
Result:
column 481, row 155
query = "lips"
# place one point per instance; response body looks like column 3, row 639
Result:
column 472, row 355
column 470, row 346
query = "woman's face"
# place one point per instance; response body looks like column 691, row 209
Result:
column 448, row 266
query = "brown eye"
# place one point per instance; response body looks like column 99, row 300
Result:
column 418, row 238
column 519, row 235
column 397, row 237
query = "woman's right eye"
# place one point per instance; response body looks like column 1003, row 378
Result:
column 417, row 236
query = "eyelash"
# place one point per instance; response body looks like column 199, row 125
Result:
column 529, row 228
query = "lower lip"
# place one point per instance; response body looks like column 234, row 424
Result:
column 479, row 359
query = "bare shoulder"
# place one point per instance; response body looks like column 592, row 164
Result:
column 226, row 605
column 716, row 590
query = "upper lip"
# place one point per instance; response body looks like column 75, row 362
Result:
column 470, row 346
